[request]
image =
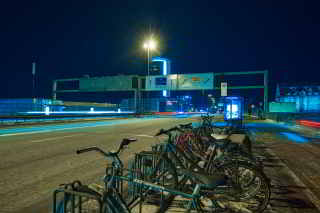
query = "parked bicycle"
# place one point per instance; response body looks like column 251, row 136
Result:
column 244, row 182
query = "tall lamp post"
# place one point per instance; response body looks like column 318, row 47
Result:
column 149, row 46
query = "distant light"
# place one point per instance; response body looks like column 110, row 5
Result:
column 235, row 111
column 309, row 123
column 80, row 112
column 119, row 110
column 164, row 93
column 175, row 76
column 47, row 110
column 164, row 67
column 91, row 109
column 234, row 108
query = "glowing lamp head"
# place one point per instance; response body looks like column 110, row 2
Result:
column 151, row 45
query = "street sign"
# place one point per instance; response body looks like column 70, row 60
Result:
column 199, row 81
column 224, row 88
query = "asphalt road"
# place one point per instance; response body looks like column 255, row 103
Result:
column 34, row 163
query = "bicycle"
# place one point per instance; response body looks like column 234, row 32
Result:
column 188, row 169
column 200, row 143
column 110, row 199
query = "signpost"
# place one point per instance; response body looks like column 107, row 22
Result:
column 224, row 88
column 200, row 81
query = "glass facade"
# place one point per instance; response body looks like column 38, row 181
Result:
column 307, row 98
column 303, row 103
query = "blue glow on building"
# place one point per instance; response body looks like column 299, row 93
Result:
column 307, row 98
column 165, row 69
column 165, row 64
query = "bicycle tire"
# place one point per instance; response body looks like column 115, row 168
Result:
column 163, row 174
column 113, row 205
column 261, row 192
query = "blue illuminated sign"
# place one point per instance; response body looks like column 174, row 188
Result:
column 233, row 108
column 161, row 81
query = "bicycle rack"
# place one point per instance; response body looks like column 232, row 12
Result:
column 78, row 201
column 138, row 168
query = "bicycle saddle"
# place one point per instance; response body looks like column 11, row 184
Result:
column 125, row 142
column 219, row 136
column 128, row 140
column 211, row 180
column 189, row 125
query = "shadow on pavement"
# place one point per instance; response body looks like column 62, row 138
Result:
column 283, row 196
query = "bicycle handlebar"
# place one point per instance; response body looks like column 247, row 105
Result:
column 166, row 132
column 125, row 142
column 93, row 148
column 185, row 126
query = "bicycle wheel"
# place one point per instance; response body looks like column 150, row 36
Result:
column 237, row 193
column 163, row 172
column 163, row 175
column 112, row 204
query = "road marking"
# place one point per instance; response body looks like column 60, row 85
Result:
column 26, row 133
column 53, row 130
column 118, row 122
column 54, row 138
column 148, row 136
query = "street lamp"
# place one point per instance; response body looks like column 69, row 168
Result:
column 149, row 46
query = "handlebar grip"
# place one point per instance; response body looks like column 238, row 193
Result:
column 188, row 125
column 79, row 151
column 160, row 132
column 127, row 141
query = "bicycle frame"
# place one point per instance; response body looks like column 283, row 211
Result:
column 114, row 180
column 193, row 170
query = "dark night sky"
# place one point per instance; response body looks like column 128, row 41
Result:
column 74, row 38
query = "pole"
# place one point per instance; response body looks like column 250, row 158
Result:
column 265, row 99
column 33, row 86
column 148, row 61
column 33, row 79
column 147, row 93
column 54, row 90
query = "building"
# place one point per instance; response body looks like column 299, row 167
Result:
column 305, row 97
